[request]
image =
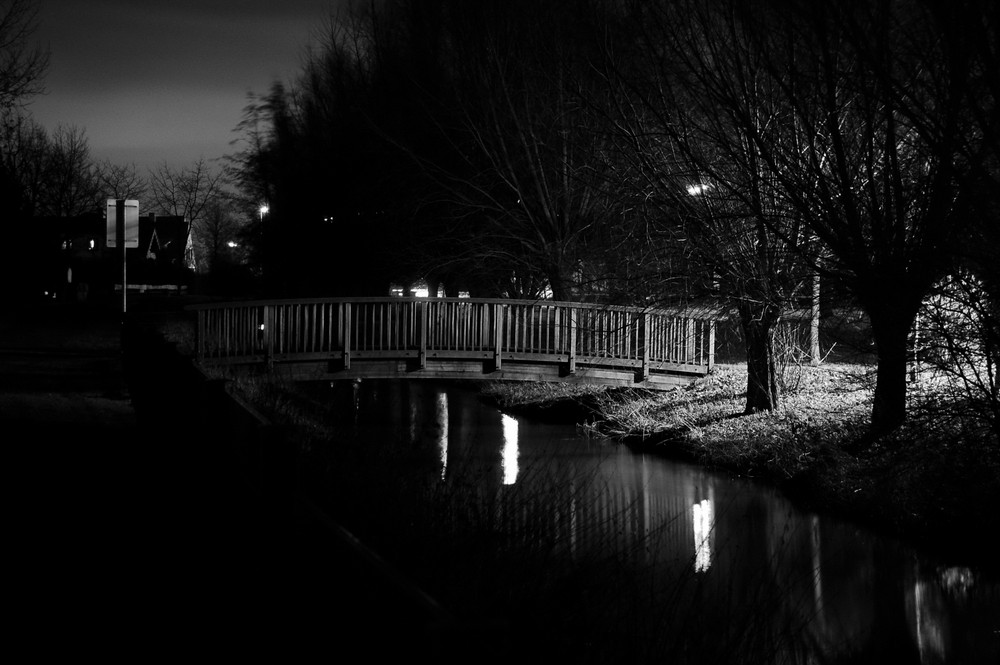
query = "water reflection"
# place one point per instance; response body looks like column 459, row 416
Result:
column 940, row 614
column 441, row 418
column 702, row 514
column 509, row 452
column 684, row 558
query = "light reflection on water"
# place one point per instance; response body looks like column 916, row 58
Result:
column 704, row 524
column 704, row 559
column 509, row 454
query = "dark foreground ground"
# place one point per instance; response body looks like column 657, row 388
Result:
column 132, row 536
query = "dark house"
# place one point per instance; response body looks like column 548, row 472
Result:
column 164, row 258
column 71, row 257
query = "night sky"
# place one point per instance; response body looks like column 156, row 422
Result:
column 166, row 80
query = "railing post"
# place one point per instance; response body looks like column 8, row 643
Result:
column 690, row 339
column 422, row 328
column 497, row 336
column 268, row 331
column 200, row 334
column 644, row 341
column 345, row 331
column 711, row 345
column 571, row 359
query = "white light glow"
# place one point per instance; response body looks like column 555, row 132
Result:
column 441, row 416
column 510, row 453
column 703, row 517
column 700, row 188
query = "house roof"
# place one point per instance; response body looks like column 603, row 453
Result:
column 162, row 234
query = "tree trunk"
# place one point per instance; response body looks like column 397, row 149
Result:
column 433, row 284
column 814, row 355
column 762, row 376
column 889, row 408
column 562, row 288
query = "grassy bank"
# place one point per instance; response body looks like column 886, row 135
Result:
column 935, row 483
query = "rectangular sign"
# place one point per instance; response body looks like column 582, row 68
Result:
column 131, row 223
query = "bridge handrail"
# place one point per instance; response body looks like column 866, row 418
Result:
column 705, row 312
column 648, row 339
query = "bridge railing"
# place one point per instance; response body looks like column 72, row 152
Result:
column 454, row 328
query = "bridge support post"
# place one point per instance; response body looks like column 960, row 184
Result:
column 497, row 336
column 690, row 342
column 644, row 348
column 269, row 333
column 711, row 344
column 345, row 332
column 201, row 333
column 571, row 358
column 422, row 316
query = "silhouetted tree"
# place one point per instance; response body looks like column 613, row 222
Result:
column 853, row 164
column 696, row 167
column 185, row 192
column 70, row 184
column 823, row 103
column 120, row 181
column 526, row 174
column 436, row 157
column 22, row 63
column 24, row 150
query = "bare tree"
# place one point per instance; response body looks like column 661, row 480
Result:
column 71, row 187
column 22, row 65
column 120, row 181
column 812, row 92
column 529, row 176
column 219, row 234
column 959, row 338
column 185, row 192
column 861, row 174
column 23, row 160
column 696, row 167
column 53, row 174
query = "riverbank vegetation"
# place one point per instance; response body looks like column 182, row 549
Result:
column 934, row 482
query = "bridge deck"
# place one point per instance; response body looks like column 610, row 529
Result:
column 457, row 338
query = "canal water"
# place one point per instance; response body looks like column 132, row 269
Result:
column 577, row 548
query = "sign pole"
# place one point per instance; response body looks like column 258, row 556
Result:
column 120, row 241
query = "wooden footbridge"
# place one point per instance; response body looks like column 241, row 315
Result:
column 457, row 338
